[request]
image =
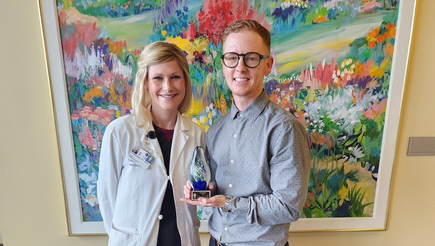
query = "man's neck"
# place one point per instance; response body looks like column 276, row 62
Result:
column 242, row 102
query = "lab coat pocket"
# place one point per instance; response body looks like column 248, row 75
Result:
column 124, row 236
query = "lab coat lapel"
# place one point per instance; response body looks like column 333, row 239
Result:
column 155, row 148
column 179, row 141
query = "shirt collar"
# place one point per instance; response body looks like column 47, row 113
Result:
column 254, row 109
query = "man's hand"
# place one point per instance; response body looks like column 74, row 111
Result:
column 214, row 201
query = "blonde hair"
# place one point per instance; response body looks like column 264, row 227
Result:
column 248, row 25
column 153, row 54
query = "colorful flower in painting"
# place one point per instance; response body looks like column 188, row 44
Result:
column 214, row 16
column 341, row 98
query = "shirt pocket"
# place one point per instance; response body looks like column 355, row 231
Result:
column 124, row 236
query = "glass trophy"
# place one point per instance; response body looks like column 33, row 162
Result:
column 199, row 175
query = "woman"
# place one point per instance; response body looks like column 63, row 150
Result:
column 145, row 156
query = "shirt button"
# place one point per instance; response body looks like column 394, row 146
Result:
column 230, row 185
column 160, row 217
column 232, row 161
column 226, row 228
column 235, row 135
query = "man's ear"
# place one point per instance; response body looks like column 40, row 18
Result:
column 269, row 65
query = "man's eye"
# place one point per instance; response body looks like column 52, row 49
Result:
column 251, row 58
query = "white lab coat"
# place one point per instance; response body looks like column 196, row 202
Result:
column 130, row 197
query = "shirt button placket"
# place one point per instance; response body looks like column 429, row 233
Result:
column 232, row 161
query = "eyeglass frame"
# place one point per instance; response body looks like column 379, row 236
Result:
column 243, row 55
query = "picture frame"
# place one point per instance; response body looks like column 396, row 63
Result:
column 378, row 221
column 71, row 180
column 56, row 72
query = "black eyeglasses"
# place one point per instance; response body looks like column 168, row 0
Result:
column 251, row 59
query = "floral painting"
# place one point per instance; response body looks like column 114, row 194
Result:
column 333, row 62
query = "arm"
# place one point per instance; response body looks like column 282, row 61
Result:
column 289, row 169
column 111, row 160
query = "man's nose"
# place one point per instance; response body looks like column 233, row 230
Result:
column 241, row 64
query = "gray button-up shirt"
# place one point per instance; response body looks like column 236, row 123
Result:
column 261, row 158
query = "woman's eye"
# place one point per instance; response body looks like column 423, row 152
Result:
column 176, row 77
column 157, row 78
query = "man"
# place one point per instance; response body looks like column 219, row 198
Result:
column 259, row 153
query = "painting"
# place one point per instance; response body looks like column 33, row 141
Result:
column 340, row 69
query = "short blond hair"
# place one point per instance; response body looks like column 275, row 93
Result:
column 248, row 25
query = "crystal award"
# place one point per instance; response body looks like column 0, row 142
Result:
column 199, row 175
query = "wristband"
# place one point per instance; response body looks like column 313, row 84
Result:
column 226, row 207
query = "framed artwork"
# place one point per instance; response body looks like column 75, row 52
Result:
column 340, row 68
